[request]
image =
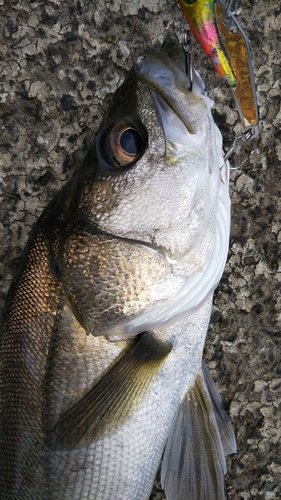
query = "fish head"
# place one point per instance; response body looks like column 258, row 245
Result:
column 158, row 162
column 156, row 173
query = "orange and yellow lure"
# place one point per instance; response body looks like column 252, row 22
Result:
column 212, row 25
column 200, row 15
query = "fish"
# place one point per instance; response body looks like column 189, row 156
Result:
column 101, row 371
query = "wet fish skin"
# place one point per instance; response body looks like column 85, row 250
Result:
column 82, row 415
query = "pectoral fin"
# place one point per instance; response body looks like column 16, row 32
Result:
column 194, row 460
column 114, row 397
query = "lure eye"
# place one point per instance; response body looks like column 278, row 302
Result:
column 126, row 144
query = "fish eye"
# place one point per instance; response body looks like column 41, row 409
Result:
column 125, row 144
column 130, row 141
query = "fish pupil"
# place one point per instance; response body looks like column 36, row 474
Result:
column 131, row 141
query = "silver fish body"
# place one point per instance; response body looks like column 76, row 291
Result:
column 101, row 344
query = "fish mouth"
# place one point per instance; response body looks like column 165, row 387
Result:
column 180, row 108
column 178, row 138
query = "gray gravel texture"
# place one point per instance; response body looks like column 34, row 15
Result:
column 59, row 62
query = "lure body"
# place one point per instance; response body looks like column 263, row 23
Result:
column 225, row 44
column 200, row 16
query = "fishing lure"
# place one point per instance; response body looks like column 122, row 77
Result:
column 226, row 45
column 200, row 15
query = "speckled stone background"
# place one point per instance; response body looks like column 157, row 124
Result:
column 59, row 62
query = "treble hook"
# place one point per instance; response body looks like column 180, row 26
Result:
column 239, row 141
column 187, row 49
column 249, row 133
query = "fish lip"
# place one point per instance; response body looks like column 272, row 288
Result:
column 165, row 76
column 179, row 140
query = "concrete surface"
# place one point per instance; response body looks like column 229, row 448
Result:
column 60, row 60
